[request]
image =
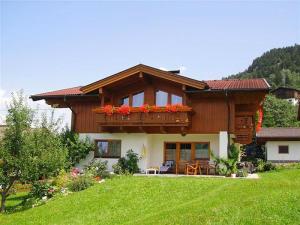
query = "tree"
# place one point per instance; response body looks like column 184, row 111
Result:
column 77, row 148
column 279, row 113
column 26, row 153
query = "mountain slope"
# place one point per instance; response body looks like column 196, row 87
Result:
column 279, row 66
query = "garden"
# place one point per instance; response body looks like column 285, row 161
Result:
column 41, row 185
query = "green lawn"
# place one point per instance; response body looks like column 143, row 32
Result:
column 273, row 199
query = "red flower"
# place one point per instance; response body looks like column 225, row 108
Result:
column 171, row 108
column 145, row 108
column 108, row 110
column 124, row 110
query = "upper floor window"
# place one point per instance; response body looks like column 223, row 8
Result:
column 125, row 100
column 161, row 98
column 138, row 99
column 175, row 99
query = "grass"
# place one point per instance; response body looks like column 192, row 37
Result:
column 273, row 199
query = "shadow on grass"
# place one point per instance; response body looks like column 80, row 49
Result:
column 16, row 203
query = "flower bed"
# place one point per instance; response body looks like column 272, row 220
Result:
column 126, row 110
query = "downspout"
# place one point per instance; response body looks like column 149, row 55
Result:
column 228, row 121
column 74, row 114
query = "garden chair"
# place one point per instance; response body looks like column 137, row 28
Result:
column 167, row 166
column 192, row 169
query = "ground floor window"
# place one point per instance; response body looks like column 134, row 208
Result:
column 108, row 149
column 283, row 149
column 187, row 151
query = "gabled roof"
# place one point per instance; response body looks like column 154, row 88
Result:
column 278, row 134
column 144, row 69
column 236, row 84
column 63, row 92
column 210, row 85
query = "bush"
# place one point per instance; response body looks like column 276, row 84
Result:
column 98, row 169
column 260, row 165
column 127, row 164
column 40, row 190
column 62, row 179
column 80, row 183
column 269, row 166
column 242, row 172
column 77, row 149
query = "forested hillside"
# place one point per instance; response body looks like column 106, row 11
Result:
column 279, row 66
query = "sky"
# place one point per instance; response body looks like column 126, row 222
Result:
column 50, row 45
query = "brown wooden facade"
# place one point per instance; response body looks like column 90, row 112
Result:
column 212, row 110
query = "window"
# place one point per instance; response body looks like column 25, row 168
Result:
column 125, row 101
column 283, row 149
column 170, row 153
column 161, row 98
column 108, row 149
column 138, row 99
column 185, row 152
column 175, row 99
column 202, row 151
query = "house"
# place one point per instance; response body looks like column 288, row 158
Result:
column 282, row 144
column 290, row 94
column 171, row 117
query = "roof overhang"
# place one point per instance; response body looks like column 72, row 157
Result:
column 147, row 70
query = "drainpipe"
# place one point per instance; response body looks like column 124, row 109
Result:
column 228, row 121
column 74, row 114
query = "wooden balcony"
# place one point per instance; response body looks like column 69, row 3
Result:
column 168, row 119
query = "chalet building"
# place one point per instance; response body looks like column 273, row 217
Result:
column 282, row 144
column 290, row 94
column 161, row 115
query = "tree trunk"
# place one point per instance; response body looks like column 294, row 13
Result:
column 3, row 201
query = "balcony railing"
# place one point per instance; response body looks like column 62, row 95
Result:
column 159, row 117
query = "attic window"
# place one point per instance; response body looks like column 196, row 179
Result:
column 125, row 100
column 161, row 98
column 138, row 99
column 175, row 99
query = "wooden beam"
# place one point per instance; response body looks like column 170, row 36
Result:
column 100, row 90
column 183, row 131
column 141, row 74
column 142, row 129
column 162, row 130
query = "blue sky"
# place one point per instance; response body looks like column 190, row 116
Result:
column 53, row 45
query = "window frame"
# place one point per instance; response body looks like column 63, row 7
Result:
column 169, row 97
column 283, row 151
column 107, row 157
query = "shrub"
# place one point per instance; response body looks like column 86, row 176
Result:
column 127, row 164
column 98, row 169
column 269, row 166
column 80, row 183
column 260, row 165
column 242, row 172
column 77, row 149
column 62, row 179
column 40, row 190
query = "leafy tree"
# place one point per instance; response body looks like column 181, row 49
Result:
column 279, row 113
column 26, row 153
column 77, row 148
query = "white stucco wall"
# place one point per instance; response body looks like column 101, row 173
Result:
column 273, row 155
column 151, row 146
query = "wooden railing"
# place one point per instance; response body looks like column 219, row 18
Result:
column 145, row 119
